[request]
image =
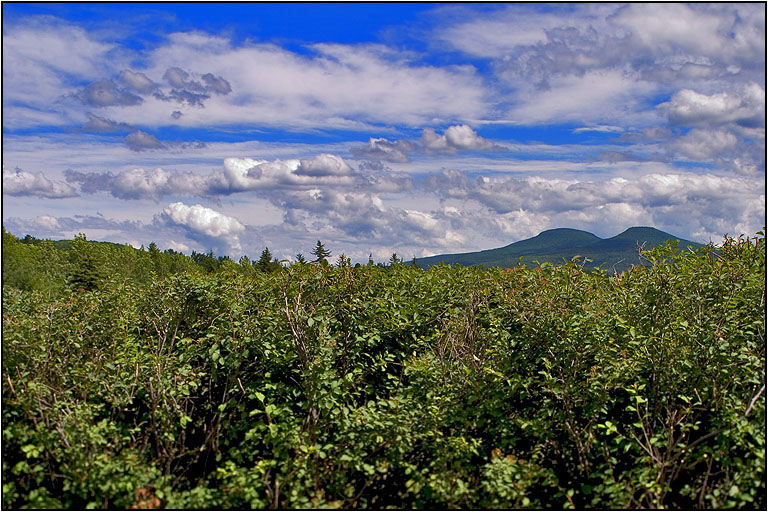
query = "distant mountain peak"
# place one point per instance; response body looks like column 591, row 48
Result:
column 562, row 244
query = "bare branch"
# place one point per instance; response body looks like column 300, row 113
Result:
column 752, row 403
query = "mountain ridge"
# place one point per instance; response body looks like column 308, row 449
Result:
column 562, row 244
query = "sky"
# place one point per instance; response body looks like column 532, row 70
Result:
column 417, row 129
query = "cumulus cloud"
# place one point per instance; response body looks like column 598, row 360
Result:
column 106, row 93
column 203, row 224
column 202, row 220
column 323, row 165
column 139, row 183
column 595, row 62
column 239, row 175
column 685, row 204
column 455, row 138
column 23, row 183
column 702, row 145
column 690, row 108
column 141, row 141
column 691, row 203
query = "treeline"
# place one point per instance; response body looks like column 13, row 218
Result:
column 376, row 387
column 55, row 267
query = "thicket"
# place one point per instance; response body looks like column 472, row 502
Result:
column 375, row 387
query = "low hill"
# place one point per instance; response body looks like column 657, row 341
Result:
column 557, row 245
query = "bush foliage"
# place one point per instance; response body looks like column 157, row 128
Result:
column 317, row 386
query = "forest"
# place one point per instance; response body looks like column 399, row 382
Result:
column 140, row 378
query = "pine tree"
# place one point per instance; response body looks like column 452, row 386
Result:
column 265, row 261
column 300, row 258
column 87, row 274
column 343, row 261
column 320, row 253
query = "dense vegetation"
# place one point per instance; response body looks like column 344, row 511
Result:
column 616, row 254
column 137, row 382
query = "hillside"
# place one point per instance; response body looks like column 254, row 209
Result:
column 557, row 245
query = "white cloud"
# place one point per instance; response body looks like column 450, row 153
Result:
column 23, row 183
column 686, row 204
column 178, row 246
column 599, row 129
column 455, row 138
column 238, row 175
column 604, row 63
column 323, row 165
column 690, row 108
column 338, row 87
column 206, row 223
column 667, row 26
column 383, row 149
column 595, row 96
column 42, row 55
column 702, row 145
column 501, row 31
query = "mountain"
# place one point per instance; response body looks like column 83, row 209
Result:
column 562, row 244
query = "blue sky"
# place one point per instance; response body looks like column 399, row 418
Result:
column 379, row 128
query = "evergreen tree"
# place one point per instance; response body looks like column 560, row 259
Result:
column 300, row 258
column 320, row 253
column 343, row 261
column 265, row 261
column 208, row 262
column 87, row 273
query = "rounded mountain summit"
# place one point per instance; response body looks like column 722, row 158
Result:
column 562, row 244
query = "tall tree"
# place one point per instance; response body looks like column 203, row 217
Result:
column 343, row 261
column 320, row 252
column 87, row 273
column 265, row 261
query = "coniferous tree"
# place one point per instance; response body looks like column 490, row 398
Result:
column 300, row 258
column 87, row 274
column 343, row 261
column 321, row 253
column 265, row 263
